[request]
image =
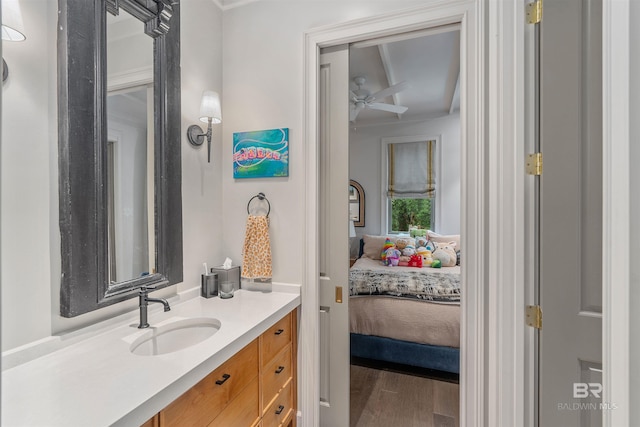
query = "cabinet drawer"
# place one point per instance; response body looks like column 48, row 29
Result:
column 275, row 375
column 243, row 411
column 280, row 410
column 275, row 339
column 206, row 400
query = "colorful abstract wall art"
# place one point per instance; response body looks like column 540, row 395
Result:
column 261, row 154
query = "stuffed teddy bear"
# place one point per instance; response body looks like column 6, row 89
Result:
column 392, row 257
column 446, row 253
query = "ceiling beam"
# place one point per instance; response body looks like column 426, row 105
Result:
column 453, row 80
column 455, row 95
column 388, row 70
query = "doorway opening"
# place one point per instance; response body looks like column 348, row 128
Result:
column 322, row 356
column 405, row 153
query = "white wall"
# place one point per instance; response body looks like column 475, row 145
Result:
column 634, row 138
column 29, row 125
column 365, row 166
column 29, row 185
column 263, row 73
column 263, row 85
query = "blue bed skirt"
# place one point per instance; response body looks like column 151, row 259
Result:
column 445, row 359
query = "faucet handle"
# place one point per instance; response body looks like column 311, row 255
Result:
column 147, row 288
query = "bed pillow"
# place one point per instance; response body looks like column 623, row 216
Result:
column 438, row 238
column 373, row 245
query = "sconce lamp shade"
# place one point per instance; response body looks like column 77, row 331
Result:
column 12, row 28
column 210, row 107
column 352, row 229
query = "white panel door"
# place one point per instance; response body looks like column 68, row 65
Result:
column 334, row 237
column 571, row 214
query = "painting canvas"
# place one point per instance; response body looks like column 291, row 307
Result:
column 261, row 154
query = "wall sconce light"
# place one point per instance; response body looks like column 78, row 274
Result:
column 12, row 28
column 209, row 113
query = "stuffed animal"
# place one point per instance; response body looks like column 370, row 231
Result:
column 421, row 241
column 409, row 250
column 426, row 256
column 430, row 245
column 415, row 261
column 403, row 242
column 388, row 244
column 392, row 257
column 446, row 253
column 414, row 232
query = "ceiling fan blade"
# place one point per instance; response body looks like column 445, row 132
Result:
column 354, row 111
column 388, row 91
column 398, row 109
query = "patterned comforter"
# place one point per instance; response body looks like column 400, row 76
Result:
column 370, row 277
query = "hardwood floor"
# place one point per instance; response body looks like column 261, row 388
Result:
column 381, row 398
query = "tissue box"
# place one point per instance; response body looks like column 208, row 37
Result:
column 228, row 275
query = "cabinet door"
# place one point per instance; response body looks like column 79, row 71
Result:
column 206, row 400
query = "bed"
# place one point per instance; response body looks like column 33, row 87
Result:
column 404, row 315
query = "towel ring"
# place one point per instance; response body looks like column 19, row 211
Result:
column 260, row 196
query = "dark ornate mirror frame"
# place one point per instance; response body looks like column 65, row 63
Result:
column 82, row 145
column 360, row 201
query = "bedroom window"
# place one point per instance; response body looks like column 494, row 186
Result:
column 410, row 185
column 407, row 213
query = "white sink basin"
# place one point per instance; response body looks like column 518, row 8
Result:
column 174, row 336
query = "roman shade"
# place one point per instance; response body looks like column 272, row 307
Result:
column 411, row 170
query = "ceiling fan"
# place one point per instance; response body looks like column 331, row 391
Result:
column 362, row 98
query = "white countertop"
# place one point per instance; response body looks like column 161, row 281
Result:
column 99, row 382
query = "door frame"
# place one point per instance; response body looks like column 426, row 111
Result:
column 493, row 334
column 502, row 400
column 615, row 214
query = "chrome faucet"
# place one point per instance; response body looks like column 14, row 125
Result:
column 144, row 303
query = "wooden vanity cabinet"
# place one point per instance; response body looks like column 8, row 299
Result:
column 254, row 388
column 205, row 401
column 277, row 373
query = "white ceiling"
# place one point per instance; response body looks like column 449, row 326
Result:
column 430, row 64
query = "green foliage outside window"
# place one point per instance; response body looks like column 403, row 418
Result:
column 415, row 212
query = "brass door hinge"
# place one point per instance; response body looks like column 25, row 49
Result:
column 534, row 164
column 534, row 316
column 534, row 12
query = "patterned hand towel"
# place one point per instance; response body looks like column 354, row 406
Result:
column 256, row 253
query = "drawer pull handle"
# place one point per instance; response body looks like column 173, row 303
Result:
column 279, row 410
column 225, row 377
column 279, row 331
column 280, row 369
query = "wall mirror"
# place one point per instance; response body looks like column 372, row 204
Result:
column 356, row 203
column 119, row 150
